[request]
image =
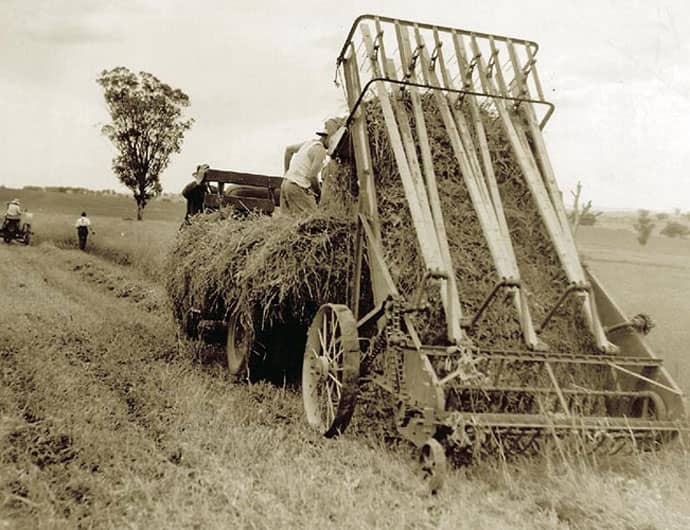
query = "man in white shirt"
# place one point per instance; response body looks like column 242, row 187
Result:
column 302, row 164
column 14, row 209
column 13, row 213
column 83, row 226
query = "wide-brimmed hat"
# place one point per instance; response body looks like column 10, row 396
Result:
column 15, row 201
column 200, row 173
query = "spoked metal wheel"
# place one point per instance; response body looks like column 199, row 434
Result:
column 238, row 346
column 330, row 372
column 433, row 463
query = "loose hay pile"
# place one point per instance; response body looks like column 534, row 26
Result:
column 276, row 270
column 270, row 271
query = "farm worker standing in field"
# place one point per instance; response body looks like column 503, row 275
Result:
column 194, row 192
column 302, row 164
column 83, row 226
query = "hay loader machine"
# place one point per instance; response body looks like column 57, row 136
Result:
column 438, row 407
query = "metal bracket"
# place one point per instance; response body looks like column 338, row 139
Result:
column 360, row 99
column 470, row 322
column 642, row 323
column 493, row 58
column 576, row 287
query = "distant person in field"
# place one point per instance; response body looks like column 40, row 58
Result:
column 14, row 210
column 13, row 214
column 302, row 163
column 83, row 226
column 194, row 192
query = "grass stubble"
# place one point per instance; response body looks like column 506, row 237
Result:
column 111, row 419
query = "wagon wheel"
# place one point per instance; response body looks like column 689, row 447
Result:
column 27, row 238
column 433, row 463
column 330, row 372
column 238, row 346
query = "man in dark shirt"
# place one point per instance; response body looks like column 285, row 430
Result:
column 194, row 192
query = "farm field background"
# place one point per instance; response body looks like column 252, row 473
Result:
column 654, row 278
column 108, row 418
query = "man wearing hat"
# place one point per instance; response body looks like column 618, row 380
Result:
column 302, row 164
column 14, row 209
column 13, row 213
column 194, row 192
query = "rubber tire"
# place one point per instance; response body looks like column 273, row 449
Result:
column 238, row 346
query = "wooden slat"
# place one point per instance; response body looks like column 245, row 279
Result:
column 520, row 300
column 535, row 73
column 377, row 258
column 460, row 137
column 489, row 173
column 589, row 304
column 365, row 176
column 542, row 157
column 242, row 178
column 500, row 248
column 560, row 236
column 527, row 165
column 421, row 219
column 454, row 313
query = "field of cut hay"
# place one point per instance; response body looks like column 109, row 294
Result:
column 109, row 419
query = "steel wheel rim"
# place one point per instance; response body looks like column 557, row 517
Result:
column 330, row 370
column 432, row 460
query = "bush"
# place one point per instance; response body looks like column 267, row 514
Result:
column 589, row 219
column 643, row 226
column 675, row 229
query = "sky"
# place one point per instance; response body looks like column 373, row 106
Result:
column 260, row 76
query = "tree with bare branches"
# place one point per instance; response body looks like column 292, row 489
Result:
column 581, row 214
